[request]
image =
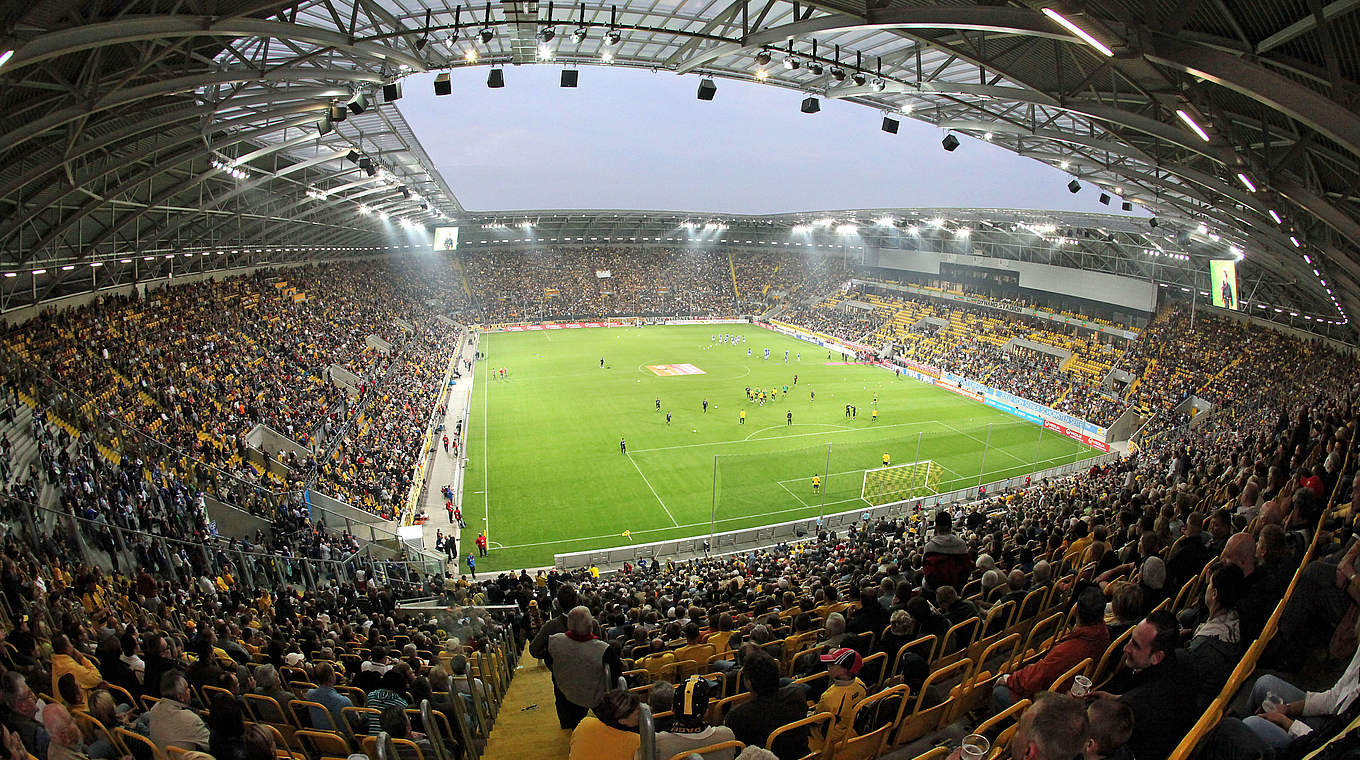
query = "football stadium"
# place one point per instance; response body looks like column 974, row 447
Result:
column 401, row 380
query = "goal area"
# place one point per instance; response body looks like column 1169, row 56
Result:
column 885, row 485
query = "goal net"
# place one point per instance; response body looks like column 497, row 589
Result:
column 885, row 485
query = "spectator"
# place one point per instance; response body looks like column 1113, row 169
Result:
column 18, row 708
column 328, row 697
column 611, row 733
column 1055, row 727
column 1111, row 724
column 688, row 729
column 770, row 707
column 1089, row 638
column 583, row 667
column 1158, row 686
column 170, row 722
column 840, row 698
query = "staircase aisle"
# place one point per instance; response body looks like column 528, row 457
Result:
column 532, row 734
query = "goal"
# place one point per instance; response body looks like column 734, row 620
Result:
column 885, row 485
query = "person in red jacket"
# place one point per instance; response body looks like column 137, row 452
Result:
column 947, row 559
column 481, row 544
column 1088, row 639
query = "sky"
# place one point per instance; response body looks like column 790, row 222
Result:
column 634, row 139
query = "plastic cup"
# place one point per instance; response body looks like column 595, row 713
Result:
column 1081, row 686
column 974, row 747
column 1272, row 702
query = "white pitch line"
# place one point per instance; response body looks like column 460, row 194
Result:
column 783, row 437
column 486, row 454
column 794, row 495
column 653, row 490
column 686, row 525
column 796, row 424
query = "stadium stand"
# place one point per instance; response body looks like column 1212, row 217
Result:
column 1234, row 525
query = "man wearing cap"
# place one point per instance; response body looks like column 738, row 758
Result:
column 840, row 697
column 688, row 729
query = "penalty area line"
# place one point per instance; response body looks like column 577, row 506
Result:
column 653, row 490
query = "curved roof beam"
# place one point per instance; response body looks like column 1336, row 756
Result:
column 163, row 120
column 97, row 201
column 1318, row 112
column 1020, row 21
column 91, row 36
column 177, row 86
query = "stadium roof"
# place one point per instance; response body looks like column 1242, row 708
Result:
column 155, row 127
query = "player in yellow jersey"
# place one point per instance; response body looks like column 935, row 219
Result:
column 816, row 483
column 887, row 460
column 874, row 417
column 741, row 419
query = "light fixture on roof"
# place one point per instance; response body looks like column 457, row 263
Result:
column 5, row 56
column 1274, row 215
column 762, row 75
column 547, row 33
column 1082, row 33
column 579, row 35
column 425, row 36
column 813, row 66
column 858, row 77
column 358, row 104
column 1192, row 124
column 763, row 57
column 1246, row 181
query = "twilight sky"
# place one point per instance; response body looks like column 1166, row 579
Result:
column 633, row 139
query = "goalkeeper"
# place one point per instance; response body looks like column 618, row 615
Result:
column 816, row 484
column 887, row 460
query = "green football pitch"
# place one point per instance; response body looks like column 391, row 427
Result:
column 545, row 473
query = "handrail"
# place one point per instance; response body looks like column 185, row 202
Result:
column 1247, row 665
column 647, row 733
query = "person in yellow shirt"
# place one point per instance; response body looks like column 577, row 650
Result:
column 840, row 698
column 741, row 417
column 66, row 659
column 816, row 483
column 693, row 650
column 887, row 460
column 612, row 732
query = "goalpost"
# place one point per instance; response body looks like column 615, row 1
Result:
column 885, row 485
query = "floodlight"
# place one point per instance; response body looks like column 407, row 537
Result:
column 488, row 34
column 763, row 58
column 547, row 34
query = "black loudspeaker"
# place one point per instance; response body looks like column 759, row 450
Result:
column 324, row 126
column 569, row 77
column 392, row 92
column 1128, row 206
column 442, row 85
column 358, row 104
column 811, row 104
column 707, row 89
column 495, row 79
column 1105, row 199
column 1073, row 186
column 1153, row 221
column 339, row 113
column 890, row 125
column 949, row 142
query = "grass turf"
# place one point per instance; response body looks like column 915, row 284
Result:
column 545, row 474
